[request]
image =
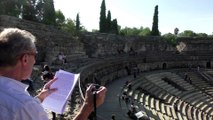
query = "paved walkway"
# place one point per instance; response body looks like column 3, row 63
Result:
column 112, row 104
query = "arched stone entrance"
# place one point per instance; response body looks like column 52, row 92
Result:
column 208, row 64
column 164, row 66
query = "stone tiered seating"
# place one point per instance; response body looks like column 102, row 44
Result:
column 192, row 104
column 157, row 79
column 180, row 81
column 149, row 102
column 198, row 81
column 148, row 98
column 191, row 99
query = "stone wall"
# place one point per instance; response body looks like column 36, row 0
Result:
column 101, row 44
column 196, row 46
column 50, row 40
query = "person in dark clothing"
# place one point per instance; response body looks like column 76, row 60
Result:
column 47, row 74
column 129, row 86
column 113, row 117
column 175, row 107
column 186, row 77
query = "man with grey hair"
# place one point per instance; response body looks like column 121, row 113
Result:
column 18, row 51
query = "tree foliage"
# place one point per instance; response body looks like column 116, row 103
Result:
column 69, row 26
column 49, row 13
column 29, row 11
column 34, row 10
column 187, row 33
column 155, row 31
column 40, row 10
column 114, row 26
column 170, row 38
column 202, row 35
column 102, row 24
column 108, row 22
column 78, row 24
column 106, row 25
column 135, row 31
column 60, row 18
column 190, row 33
column 10, row 7
column 145, row 32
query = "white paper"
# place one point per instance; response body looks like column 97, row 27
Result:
column 65, row 84
column 139, row 114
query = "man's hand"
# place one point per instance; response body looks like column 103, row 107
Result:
column 46, row 90
column 89, row 97
column 88, row 105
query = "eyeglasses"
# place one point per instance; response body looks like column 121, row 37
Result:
column 33, row 54
column 29, row 53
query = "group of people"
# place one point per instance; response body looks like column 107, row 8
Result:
column 18, row 55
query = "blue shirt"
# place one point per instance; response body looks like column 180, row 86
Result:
column 17, row 104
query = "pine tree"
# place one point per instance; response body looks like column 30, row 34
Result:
column 155, row 31
column 102, row 23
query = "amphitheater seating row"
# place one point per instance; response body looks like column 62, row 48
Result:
column 192, row 104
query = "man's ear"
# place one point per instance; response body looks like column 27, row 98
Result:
column 24, row 59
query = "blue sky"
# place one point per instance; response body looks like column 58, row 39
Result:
column 195, row 15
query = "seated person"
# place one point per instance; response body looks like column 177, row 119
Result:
column 62, row 57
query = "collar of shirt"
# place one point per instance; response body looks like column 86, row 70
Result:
column 6, row 82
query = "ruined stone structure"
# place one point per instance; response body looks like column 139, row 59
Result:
column 50, row 40
column 106, row 50
column 110, row 56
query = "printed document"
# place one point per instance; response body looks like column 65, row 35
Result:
column 65, row 84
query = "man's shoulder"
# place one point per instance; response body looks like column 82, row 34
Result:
column 14, row 96
column 21, row 106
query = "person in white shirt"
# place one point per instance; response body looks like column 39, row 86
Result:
column 62, row 57
column 18, row 52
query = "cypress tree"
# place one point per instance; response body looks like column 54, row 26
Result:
column 77, row 23
column 108, row 22
column 114, row 26
column 155, row 31
column 102, row 23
